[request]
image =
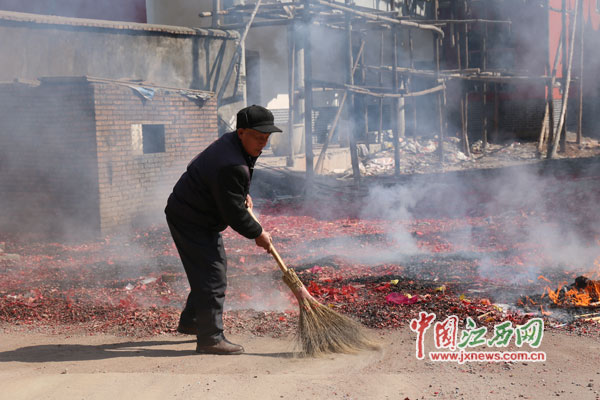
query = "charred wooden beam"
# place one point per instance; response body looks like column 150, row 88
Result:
column 237, row 54
column 563, row 111
column 320, row 160
column 382, row 18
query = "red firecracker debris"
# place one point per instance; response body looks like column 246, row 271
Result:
column 136, row 285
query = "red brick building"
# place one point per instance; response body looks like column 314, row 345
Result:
column 84, row 156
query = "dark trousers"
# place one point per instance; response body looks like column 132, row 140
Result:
column 203, row 257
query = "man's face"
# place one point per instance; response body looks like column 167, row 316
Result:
column 253, row 140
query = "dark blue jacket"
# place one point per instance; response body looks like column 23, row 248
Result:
column 211, row 194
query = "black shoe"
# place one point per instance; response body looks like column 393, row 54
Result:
column 187, row 327
column 223, row 347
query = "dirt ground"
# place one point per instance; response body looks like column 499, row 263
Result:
column 40, row 366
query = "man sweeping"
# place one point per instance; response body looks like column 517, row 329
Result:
column 211, row 195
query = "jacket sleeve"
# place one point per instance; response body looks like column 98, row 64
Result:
column 231, row 201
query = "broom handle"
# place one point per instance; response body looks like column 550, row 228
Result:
column 272, row 250
column 277, row 258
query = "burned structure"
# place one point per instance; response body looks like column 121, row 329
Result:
column 360, row 70
column 350, row 73
column 87, row 156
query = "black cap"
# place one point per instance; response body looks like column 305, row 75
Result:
column 257, row 118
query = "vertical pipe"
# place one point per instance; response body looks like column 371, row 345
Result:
column 464, row 104
column 410, row 87
column 466, row 143
column 365, row 99
column 462, row 124
column 563, row 131
column 395, row 110
column 439, row 95
column 466, row 84
column 458, row 55
column 455, row 32
column 496, row 114
column 565, row 97
column 350, row 80
column 550, row 84
column 307, row 92
column 380, row 138
column 581, row 60
column 465, row 15
column 551, row 126
column 484, row 110
column 462, row 101
column 215, row 14
column 291, row 90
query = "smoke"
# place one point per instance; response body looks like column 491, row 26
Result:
column 396, row 246
column 553, row 228
column 564, row 246
column 259, row 295
column 495, row 270
column 516, row 223
column 548, row 215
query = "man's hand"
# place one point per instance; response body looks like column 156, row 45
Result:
column 264, row 240
column 249, row 203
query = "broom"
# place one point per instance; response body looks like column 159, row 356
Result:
column 321, row 330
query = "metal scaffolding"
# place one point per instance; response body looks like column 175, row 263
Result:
column 460, row 31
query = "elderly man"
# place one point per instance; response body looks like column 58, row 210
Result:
column 211, row 195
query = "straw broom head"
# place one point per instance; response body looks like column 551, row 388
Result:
column 322, row 330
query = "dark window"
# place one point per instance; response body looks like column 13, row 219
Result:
column 153, row 138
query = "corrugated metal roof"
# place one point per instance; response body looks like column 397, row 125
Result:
column 98, row 23
column 132, row 84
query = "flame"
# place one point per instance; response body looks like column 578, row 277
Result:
column 587, row 296
column 585, row 292
column 544, row 278
column 544, row 312
column 552, row 295
column 593, row 289
column 577, row 298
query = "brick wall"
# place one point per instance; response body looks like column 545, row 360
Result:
column 68, row 164
column 135, row 186
column 48, row 174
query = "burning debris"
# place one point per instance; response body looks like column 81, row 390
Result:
column 381, row 270
column 584, row 292
column 567, row 301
